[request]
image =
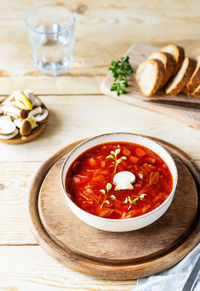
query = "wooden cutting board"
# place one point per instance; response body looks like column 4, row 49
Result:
column 181, row 107
column 114, row 256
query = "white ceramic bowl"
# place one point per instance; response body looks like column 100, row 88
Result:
column 119, row 225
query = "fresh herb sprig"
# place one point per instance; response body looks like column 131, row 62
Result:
column 116, row 162
column 105, row 193
column 136, row 199
column 120, row 70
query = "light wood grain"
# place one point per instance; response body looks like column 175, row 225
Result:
column 29, row 268
column 128, row 22
column 15, row 179
column 76, row 117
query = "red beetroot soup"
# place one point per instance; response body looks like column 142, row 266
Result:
column 89, row 180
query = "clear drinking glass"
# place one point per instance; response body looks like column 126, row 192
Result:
column 51, row 35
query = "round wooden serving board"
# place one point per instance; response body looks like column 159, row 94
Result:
column 115, row 256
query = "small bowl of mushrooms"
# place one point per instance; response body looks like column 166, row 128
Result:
column 23, row 116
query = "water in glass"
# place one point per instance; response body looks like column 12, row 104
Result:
column 51, row 34
column 53, row 49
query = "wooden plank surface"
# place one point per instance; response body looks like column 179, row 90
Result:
column 34, row 270
column 104, row 31
column 128, row 22
column 77, row 117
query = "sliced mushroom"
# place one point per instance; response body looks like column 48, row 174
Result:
column 32, row 121
column 23, row 113
column 41, row 118
column 35, row 101
column 11, row 110
column 6, row 126
column 26, row 127
column 9, row 103
column 35, row 111
column 9, row 136
column 9, row 99
column 9, row 117
column 18, row 122
column 18, row 104
column 21, row 97
column 123, row 180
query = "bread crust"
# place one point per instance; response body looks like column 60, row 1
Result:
column 159, row 67
column 168, row 62
column 193, row 82
column 196, row 92
column 178, row 86
column 171, row 64
column 179, row 55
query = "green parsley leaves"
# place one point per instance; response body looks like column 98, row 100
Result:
column 120, row 70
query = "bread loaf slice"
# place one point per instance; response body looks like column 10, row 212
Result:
column 168, row 62
column 182, row 77
column 149, row 76
column 178, row 53
column 193, row 82
column 196, row 92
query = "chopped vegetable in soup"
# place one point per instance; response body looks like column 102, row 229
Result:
column 119, row 180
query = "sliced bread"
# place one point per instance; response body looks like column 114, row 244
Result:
column 196, row 92
column 193, row 82
column 168, row 62
column 149, row 76
column 178, row 53
column 182, row 77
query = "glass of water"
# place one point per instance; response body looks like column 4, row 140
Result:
column 51, row 34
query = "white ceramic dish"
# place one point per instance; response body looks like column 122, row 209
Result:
column 119, row 225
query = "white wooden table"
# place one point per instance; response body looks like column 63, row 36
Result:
column 104, row 31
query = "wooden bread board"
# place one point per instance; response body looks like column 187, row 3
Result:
column 107, row 255
column 181, row 107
